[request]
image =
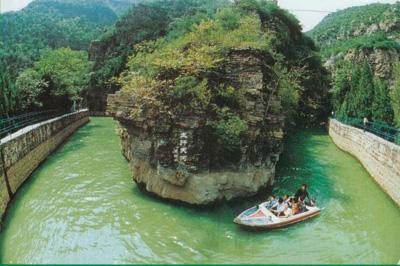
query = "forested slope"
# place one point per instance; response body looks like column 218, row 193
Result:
column 210, row 99
column 370, row 26
column 361, row 47
column 145, row 21
column 31, row 34
column 52, row 24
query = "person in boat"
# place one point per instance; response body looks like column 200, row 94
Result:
column 295, row 206
column 301, row 205
column 302, row 193
column 289, row 210
column 280, row 208
column 272, row 200
column 286, row 198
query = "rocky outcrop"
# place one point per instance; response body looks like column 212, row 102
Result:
column 358, row 21
column 176, row 157
column 382, row 61
column 389, row 27
column 96, row 95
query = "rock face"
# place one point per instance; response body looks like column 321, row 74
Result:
column 350, row 23
column 366, row 33
column 382, row 61
column 175, row 157
column 97, row 95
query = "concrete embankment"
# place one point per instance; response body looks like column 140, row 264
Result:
column 23, row 151
column 380, row 157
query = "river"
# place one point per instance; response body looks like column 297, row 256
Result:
column 81, row 206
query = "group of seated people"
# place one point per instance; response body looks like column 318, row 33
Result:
column 287, row 206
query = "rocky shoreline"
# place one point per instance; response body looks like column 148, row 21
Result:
column 174, row 156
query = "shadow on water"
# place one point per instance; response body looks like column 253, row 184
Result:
column 71, row 145
column 76, row 141
column 304, row 162
column 300, row 163
column 85, row 207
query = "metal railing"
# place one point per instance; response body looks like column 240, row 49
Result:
column 11, row 124
column 380, row 129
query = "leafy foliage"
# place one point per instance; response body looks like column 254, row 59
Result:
column 361, row 27
column 30, row 86
column 144, row 22
column 7, row 93
column 56, row 81
column 183, row 71
column 395, row 94
column 357, row 93
column 365, row 42
column 50, row 24
column 228, row 129
column 381, row 108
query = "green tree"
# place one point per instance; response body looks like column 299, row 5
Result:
column 7, row 93
column 363, row 93
column 395, row 94
column 30, row 86
column 353, row 90
column 52, row 24
column 381, row 107
column 58, row 79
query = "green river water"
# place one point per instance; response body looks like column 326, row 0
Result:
column 81, row 206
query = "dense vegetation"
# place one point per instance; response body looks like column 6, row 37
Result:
column 55, row 82
column 50, row 24
column 182, row 42
column 368, row 26
column 8, row 95
column 183, row 71
column 145, row 21
column 43, row 25
column 395, row 95
column 357, row 91
column 364, row 42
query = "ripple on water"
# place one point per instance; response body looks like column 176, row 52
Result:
column 81, row 206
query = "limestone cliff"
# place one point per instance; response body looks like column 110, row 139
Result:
column 202, row 113
column 381, row 61
column 177, row 158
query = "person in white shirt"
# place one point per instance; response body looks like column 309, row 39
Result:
column 280, row 208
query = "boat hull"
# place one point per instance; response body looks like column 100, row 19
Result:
column 262, row 219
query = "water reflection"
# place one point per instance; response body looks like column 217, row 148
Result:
column 82, row 207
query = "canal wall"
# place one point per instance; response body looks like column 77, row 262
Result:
column 4, row 195
column 380, row 157
column 23, row 151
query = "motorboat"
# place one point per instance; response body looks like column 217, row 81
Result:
column 260, row 217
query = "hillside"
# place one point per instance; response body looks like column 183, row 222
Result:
column 361, row 48
column 202, row 116
column 362, row 27
column 54, row 24
column 145, row 21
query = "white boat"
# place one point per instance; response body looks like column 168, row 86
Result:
column 259, row 217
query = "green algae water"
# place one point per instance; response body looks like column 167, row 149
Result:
column 81, row 206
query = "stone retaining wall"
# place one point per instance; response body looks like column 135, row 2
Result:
column 23, row 151
column 380, row 157
column 4, row 196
